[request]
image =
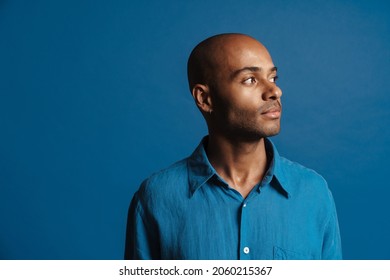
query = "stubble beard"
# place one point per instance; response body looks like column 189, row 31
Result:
column 251, row 128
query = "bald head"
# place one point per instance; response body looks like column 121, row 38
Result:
column 209, row 55
column 232, row 80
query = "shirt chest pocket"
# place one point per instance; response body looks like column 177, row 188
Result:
column 284, row 254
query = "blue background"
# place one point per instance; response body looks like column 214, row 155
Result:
column 94, row 98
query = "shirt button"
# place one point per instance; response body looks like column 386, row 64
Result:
column 246, row 250
column 244, row 205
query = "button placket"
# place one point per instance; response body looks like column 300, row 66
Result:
column 244, row 251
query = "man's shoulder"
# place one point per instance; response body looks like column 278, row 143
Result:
column 302, row 180
column 296, row 170
column 166, row 180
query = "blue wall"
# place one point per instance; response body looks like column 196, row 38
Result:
column 94, row 97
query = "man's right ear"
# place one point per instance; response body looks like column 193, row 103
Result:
column 201, row 95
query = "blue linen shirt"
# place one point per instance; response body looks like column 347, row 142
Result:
column 188, row 211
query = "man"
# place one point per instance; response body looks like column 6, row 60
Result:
column 234, row 197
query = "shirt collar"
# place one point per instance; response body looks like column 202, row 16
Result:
column 277, row 170
column 200, row 170
column 199, row 167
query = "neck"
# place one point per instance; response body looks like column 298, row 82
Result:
column 241, row 164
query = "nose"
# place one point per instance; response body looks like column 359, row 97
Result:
column 271, row 92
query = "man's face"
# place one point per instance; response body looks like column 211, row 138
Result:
column 246, row 100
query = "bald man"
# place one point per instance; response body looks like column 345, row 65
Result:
column 235, row 197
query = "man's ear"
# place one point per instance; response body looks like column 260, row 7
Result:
column 201, row 95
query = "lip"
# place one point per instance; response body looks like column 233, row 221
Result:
column 272, row 113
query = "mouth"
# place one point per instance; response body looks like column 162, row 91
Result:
column 272, row 113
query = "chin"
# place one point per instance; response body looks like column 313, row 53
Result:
column 269, row 130
column 254, row 132
column 272, row 132
column 255, row 136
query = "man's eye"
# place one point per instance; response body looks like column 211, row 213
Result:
column 273, row 79
column 251, row 80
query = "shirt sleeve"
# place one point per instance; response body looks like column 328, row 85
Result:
column 331, row 249
column 141, row 242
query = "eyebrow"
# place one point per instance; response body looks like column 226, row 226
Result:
column 250, row 69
